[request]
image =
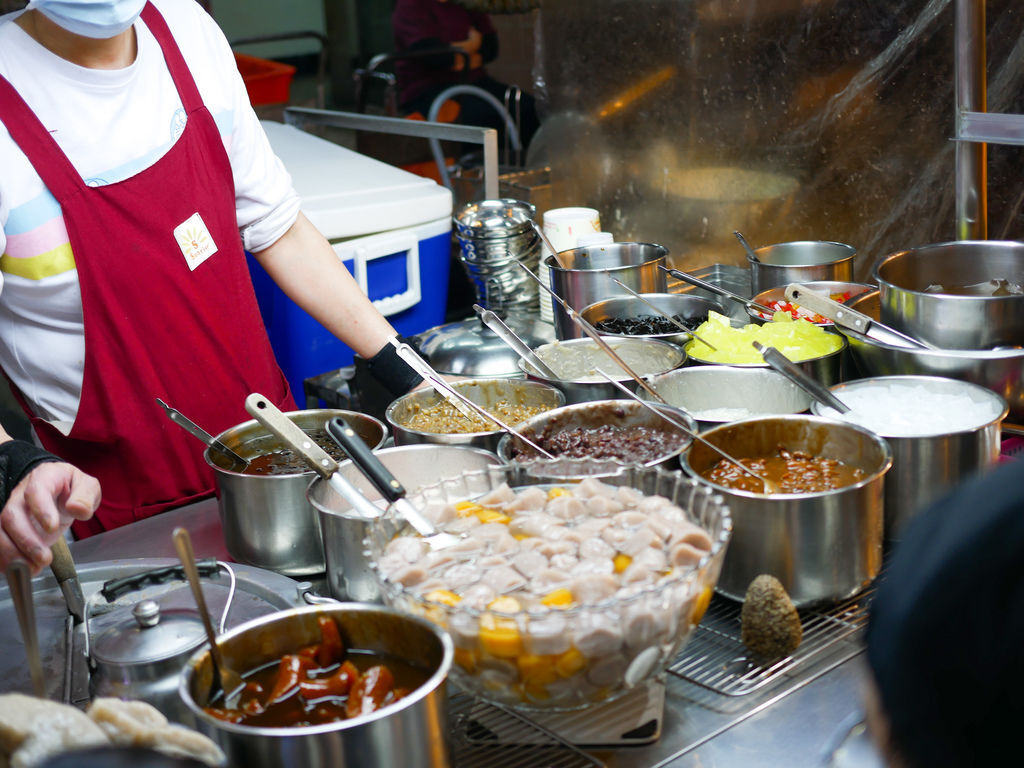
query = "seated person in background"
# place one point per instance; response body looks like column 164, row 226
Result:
column 426, row 24
column 945, row 638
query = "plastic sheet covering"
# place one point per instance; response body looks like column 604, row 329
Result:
column 683, row 120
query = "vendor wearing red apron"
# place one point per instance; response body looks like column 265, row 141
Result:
column 169, row 311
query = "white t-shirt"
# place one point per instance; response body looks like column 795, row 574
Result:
column 111, row 124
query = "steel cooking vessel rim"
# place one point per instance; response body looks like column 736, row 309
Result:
column 913, row 378
column 436, row 679
column 586, row 340
column 388, row 413
column 991, row 244
column 874, row 437
column 717, row 544
column 553, row 264
column 309, row 471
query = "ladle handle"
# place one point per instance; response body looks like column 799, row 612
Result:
column 20, row 580
column 792, row 371
column 63, row 567
column 362, row 456
column 286, row 430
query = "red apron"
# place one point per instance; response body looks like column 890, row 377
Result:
column 158, row 323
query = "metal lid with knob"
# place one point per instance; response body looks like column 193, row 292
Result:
column 470, row 348
column 143, row 635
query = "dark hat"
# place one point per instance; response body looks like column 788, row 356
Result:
column 946, row 629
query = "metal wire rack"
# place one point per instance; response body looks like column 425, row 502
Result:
column 487, row 734
column 716, row 659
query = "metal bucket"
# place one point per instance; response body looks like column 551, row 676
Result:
column 588, row 272
column 823, row 546
column 407, row 734
column 953, row 317
column 799, row 262
column 925, row 467
column 349, row 576
column 266, row 519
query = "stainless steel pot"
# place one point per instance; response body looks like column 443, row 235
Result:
column 411, row 733
column 822, row 546
column 483, row 392
column 266, row 519
column 586, row 277
column 924, row 467
column 952, row 318
column 799, row 262
column 349, row 575
column 647, row 357
column 687, row 306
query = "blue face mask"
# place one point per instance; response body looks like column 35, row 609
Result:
column 100, row 19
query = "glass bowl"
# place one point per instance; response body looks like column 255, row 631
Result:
column 569, row 648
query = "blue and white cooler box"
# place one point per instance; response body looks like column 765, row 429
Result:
column 391, row 228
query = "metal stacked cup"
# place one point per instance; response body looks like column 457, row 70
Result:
column 494, row 235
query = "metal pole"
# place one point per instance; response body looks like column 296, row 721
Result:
column 970, row 85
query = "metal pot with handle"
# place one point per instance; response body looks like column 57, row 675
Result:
column 138, row 639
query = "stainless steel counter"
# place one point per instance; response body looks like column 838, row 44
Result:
column 790, row 722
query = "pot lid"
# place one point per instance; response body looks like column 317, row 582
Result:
column 144, row 633
column 470, row 348
column 494, row 218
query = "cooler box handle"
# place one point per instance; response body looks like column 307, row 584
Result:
column 376, row 247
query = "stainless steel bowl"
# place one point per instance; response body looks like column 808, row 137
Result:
column 692, row 308
column 822, row 546
column 925, row 466
column 830, row 287
column 950, row 315
column 349, row 576
column 648, row 356
column 586, row 277
column 266, row 519
column 1002, row 371
column 718, row 394
column 800, row 261
column 483, row 392
column 601, row 413
column 407, row 734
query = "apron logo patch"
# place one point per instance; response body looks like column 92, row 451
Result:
column 195, row 240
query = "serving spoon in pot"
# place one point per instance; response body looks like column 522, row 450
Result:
column 769, row 486
column 521, row 348
column 808, row 384
column 588, row 329
column 235, row 462
column 225, row 679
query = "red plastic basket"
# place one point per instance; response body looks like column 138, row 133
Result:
column 266, row 81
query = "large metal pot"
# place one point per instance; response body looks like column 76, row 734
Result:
column 822, row 546
column 588, row 272
column 1001, row 370
column 799, row 262
column 951, row 315
column 349, row 575
column 266, row 519
column 926, row 466
column 411, row 733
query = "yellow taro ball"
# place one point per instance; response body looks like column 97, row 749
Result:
column 558, row 598
column 493, row 516
column 443, row 596
column 500, row 637
column 570, row 662
column 466, row 659
column 537, row 670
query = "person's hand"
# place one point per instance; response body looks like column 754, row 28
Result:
column 41, row 507
column 470, row 45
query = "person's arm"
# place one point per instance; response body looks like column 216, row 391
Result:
column 310, row 273
column 41, row 496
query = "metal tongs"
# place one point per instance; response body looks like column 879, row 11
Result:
column 506, row 334
column 592, row 332
column 851, row 319
column 463, row 404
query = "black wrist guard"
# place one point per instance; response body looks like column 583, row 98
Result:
column 17, row 459
column 392, row 371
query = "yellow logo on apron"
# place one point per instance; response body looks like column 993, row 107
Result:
column 195, row 240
